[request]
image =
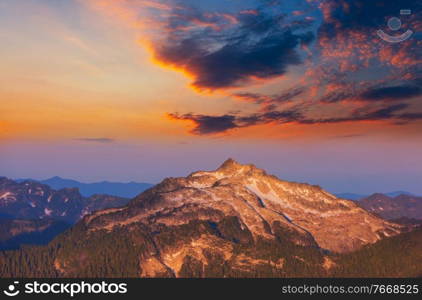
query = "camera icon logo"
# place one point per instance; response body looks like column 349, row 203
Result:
column 11, row 290
column 395, row 24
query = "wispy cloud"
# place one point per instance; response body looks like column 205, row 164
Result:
column 209, row 124
column 96, row 140
column 348, row 136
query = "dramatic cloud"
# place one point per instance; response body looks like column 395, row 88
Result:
column 344, row 79
column 235, row 49
column 325, row 55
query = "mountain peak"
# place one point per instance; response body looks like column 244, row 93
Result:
column 231, row 166
column 379, row 196
column 230, row 163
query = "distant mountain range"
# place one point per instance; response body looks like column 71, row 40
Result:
column 399, row 206
column 33, row 200
column 119, row 189
column 34, row 213
column 353, row 196
column 393, row 207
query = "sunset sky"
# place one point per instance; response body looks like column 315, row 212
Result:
column 139, row 90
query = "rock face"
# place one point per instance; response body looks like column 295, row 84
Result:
column 236, row 216
column 32, row 200
column 400, row 206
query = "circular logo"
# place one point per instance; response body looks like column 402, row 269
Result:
column 394, row 23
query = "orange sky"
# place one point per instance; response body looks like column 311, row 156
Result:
column 63, row 79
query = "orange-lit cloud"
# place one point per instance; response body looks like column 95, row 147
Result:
column 167, row 43
column 224, row 55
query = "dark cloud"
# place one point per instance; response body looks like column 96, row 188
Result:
column 95, row 140
column 373, row 94
column 259, row 46
column 392, row 93
column 208, row 124
column 385, row 113
column 363, row 114
column 411, row 116
column 205, row 124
